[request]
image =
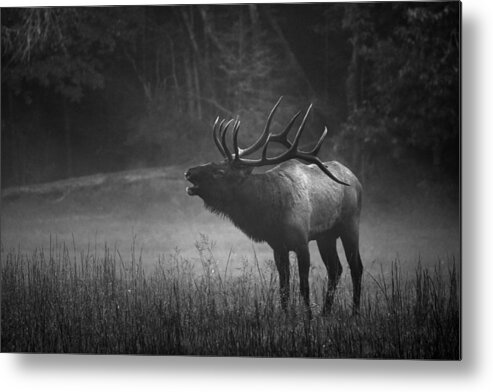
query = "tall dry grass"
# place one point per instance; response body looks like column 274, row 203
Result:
column 65, row 301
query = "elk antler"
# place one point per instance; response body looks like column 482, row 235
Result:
column 221, row 144
column 266, row 138
column 281, row 137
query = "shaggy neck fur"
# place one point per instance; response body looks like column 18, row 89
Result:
column 254, row 206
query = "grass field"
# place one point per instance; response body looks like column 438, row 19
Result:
column 146, row 269
column 58, row 301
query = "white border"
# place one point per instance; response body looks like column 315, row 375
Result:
column 474, row 373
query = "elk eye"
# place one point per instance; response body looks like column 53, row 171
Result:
column 218, row 173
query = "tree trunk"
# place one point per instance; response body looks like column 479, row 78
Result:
column 192, row 73
column 255, row 27
column 144, row 49
column 326, row 59
column 206, row 67
column 189, row 85
column 12, row 145
column 241, row 45
column 354, row 99
column 197, row 95
column 294, row 61
column 67, row 129
column 188, row 20
column 353, row 81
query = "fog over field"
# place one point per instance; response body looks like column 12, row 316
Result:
column 163, row 220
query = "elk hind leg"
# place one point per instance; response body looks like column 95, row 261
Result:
column 350, row 241
column 328, row 251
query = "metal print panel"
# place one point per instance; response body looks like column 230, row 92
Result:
column 270, row 180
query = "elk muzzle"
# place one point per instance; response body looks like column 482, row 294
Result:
column 191, row 190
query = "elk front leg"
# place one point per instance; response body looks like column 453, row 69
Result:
column 303, row 255
column 281, row 257
column 350, row 241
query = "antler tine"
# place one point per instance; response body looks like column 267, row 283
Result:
column 316, row 149
column 312, row 159
column 264, row 149
column 265, row 134
column 236, row 128
column 223, row 140
column 216, row 139
column 282, row 137
column 294, row 145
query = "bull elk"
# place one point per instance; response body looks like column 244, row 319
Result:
column 288, row 205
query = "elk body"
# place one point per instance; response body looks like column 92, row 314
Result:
column 286, row 206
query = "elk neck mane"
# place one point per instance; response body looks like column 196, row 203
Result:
column 254, row 206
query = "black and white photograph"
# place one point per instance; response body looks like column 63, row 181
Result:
column 232, row 180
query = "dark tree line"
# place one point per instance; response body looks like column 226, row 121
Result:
column 103, row 89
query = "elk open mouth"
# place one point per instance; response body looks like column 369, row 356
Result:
column 192, row 190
